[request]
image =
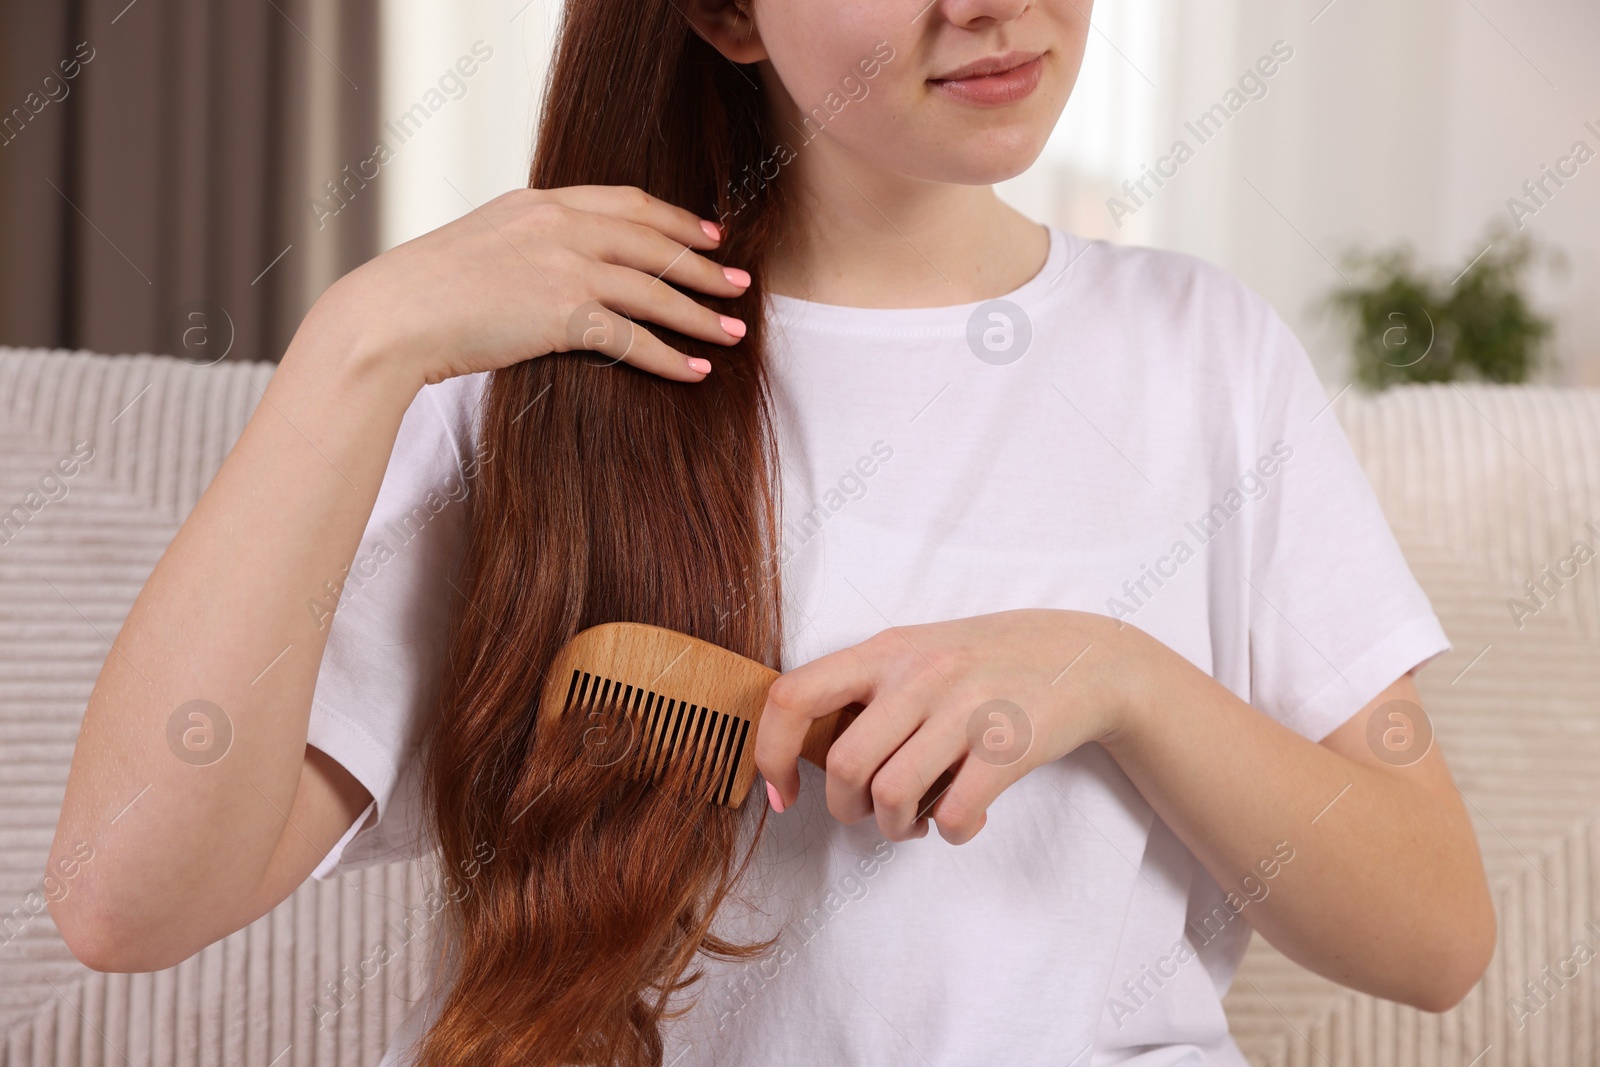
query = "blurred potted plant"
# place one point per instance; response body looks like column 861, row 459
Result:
column 1407, row 324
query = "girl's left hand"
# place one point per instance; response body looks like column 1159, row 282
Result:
column 988, row 698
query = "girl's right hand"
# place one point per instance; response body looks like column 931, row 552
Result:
column 536, row 271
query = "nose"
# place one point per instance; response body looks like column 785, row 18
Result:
column 974, row 13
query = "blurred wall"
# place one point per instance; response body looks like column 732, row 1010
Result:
column 1409, row 122
column 478, row 141
column 1419, row 121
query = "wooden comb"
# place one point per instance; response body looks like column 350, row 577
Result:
column 659, row 696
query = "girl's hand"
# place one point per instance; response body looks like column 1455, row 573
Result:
column 989, row 698
column 536, row 271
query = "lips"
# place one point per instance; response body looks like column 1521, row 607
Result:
column 994, row 80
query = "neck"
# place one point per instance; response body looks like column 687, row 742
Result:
column 864, row 237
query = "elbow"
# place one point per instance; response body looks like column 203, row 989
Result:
column 93, row 943
column 1458, row 968
column 103, row 943
column 1444, row 995
column 88, row 942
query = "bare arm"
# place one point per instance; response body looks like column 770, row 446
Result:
column 184, row 850
column 1385, row 889
column 185, row 847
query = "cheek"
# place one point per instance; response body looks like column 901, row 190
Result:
column 852, row 79
column 826, row 48
column 1068, row 32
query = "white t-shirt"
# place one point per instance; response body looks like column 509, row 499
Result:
column 1131, row 432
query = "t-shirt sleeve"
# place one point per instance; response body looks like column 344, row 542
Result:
column 379, row 678
column 1336, row 615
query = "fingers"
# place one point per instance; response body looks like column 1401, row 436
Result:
column 898, row 795
column 596, row 328
column 536, row 271
column 863, row 755
column 662, row 258
column 639, row 207
column 963, row 809
column 637, row 245
column 641, row 297
column 906, row 759
column 796, row 700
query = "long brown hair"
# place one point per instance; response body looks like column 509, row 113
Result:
column 583, row 899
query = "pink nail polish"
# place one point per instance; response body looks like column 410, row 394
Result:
column 731, row 326
column 738, row 277
column 774, row 799
column 711, row 230
column 700, row 366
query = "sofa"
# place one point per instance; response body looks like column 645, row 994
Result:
column 1493, row 492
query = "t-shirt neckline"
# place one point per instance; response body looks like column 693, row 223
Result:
column 944, row 319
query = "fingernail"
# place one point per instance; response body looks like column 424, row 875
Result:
column 774, row 799
column 699, row 366
column 738, row 277
column 711, row 230
column 733, row 327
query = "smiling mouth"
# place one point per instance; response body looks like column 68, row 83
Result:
column 994, row 82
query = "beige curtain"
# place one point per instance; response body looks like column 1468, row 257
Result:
column 161, row 163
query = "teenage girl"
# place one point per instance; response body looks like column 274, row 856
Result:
column 1072, row 520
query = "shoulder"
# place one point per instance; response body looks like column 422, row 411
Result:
column 1173, row 314
column 1167, row 288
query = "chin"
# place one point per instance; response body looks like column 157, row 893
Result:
column 987, row 158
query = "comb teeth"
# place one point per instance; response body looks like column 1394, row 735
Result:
column 660, row 730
